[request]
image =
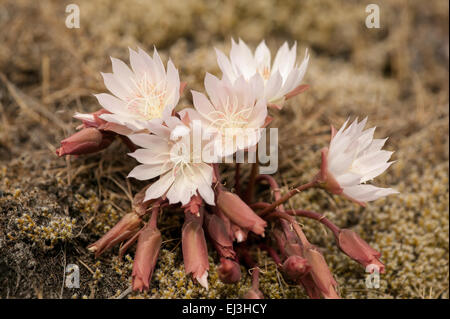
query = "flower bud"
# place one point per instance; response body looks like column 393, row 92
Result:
column 229, row 271
column 88, row 140
column 219, row 235
column 239, row 212
column 320, row 273
column 124, row 229
column 147, row 251
column 295, row 267
column 254, row 292
column 310, row 286
column 195, row 252
column 288, row 246
column 356, row 248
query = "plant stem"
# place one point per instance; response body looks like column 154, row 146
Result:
column 272, row 253
column 316, row 216
column 259, row 205
column 251, row 183
column 237, row 179
column 294, row 224
column 255, row 278
column 287, row 196
column 154, row 218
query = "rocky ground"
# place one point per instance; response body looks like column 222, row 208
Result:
column 51, row 208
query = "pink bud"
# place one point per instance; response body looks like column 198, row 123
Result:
column 195, row 252
column 239, row 212
column 356, row 248
column 254, row 292
column 310, row 286
column 229, row 271
column 88, row 140
column 320, row 272
column 219, row 235
column 287, row 246
column 295, row 267
column 147, row 251
column 124, row 229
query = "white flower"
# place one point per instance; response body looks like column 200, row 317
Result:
column 144, row 93
column 280, row 79
column 168, row 153
column 235, row 113
column 352, row 159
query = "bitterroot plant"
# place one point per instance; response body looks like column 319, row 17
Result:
column 180, row 153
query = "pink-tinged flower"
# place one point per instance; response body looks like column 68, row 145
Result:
column 88, row 140
column 195, row 252
column 310, row 286
column 144, row 93
column 356, row 248
column 320, row 273
column 124, row 229
column 220, row 236
column 147, row 252
column 254, row 292
column 170, row 154
column 234, row 113
column 229, row 271
column 95, row 135
column 239, row 212
column 281, row 79
column 295, row 267
column 353, row 158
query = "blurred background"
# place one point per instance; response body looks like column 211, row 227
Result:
column 51, row 208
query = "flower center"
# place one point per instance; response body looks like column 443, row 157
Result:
column 230, row 120
column 265, row 72
column 148, row 99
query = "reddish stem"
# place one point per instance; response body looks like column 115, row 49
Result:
column 244, row 255
column 259, row 205
column 316, row 216
column 251, row 184
column 293, row 222
column 287, row 196
column 255, row 278
column 277, row 195
column 154, row 218
column 272, row 183
column 272, row 253
column 237, row 179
